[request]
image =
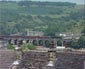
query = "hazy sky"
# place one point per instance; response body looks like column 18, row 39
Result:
column 74, row 1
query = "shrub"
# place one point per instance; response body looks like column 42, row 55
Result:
column 31, row 47
column 10, row 46
column 75, row 45
column 28, row 46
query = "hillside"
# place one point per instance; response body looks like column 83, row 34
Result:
column 49, row 17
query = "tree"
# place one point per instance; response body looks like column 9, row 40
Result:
column 81, row 41
column 74, row 44
column 51, row 30
column 83, row 31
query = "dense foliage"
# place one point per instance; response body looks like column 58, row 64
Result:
column 80, row 43
column 49, row 17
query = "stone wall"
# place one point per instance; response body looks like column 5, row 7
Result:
column 64, row 60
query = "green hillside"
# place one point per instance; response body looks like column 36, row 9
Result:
column 49, row 17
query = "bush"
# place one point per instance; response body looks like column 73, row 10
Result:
column 81, row 42
column 28, row 46
column 31, row 47
column 75, row 45
column 24, row 46
column 10, row 46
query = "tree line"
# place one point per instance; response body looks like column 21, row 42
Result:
column 28, row 3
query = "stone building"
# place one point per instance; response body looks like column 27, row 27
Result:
column 34, row 33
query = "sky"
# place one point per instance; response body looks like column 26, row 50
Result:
column 73, row 1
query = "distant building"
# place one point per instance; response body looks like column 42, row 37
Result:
column 35, row 33
column 69, row 35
